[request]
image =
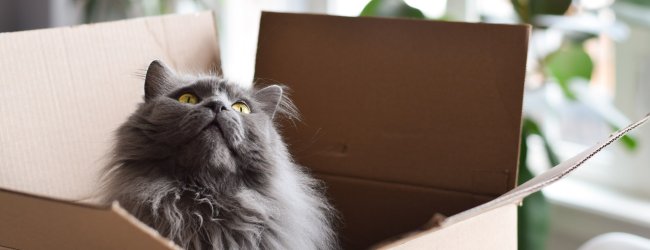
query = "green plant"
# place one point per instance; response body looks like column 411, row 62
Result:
column 532, row 216
column 391, row 8
column 569, row 62
column 108, row 10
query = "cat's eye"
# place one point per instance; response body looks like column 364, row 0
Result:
column 241, row 107
column 188, row 98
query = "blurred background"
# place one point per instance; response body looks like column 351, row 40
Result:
column 588, row 75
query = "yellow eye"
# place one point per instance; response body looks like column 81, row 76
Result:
column 241, row 108
column 188, row 98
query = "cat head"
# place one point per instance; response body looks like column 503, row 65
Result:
column 202, row 123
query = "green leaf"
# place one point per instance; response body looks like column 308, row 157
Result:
column 532, row 220
column 628, row 141
column 528, row 9
column 641, row 3
column 570, row 61
column 391, row 8
column 532, row 216
column 524, row 175
column 530, row 127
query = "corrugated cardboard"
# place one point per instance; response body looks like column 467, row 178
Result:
column 63, row 92
column 478, row 223
column 400, row 115
column 30, row 222
column 411, row 99
column 402, row 119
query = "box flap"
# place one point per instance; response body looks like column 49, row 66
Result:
column 31, row 222
column 63, row 91
column 547, row 178
column 402, row 114
column 514, row 196
column 425, row 103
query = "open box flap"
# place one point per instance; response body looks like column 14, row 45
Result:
column 401, row 101
column 64, row 91
column 547, row 178
column 408, row 116
column 517, row 194
column 32, row 222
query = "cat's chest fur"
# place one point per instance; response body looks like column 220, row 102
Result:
column 207, row 219
column 210, row 206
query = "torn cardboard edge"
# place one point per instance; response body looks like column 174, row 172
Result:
column 516, row 195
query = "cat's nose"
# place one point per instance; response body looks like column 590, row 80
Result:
column 216, row 106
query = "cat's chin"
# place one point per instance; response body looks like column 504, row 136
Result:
column 230, row 128
column 215, row 133
column 214, row 149
column 220, row 136
column 213, row 127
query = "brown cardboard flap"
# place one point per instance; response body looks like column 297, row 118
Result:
column 63, row 91
column 424, row 103
column 31, row 222
column 492, row 219
column 546, row 178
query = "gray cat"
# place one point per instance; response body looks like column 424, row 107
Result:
column 202, row 162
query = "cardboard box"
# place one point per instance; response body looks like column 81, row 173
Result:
column 403, row 119
column 64, row 91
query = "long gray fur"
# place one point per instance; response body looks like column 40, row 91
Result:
column 209, row 177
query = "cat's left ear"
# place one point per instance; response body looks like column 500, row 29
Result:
column 271, row 97
column 158, row 80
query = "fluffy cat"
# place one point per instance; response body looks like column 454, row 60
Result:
column 201, row 162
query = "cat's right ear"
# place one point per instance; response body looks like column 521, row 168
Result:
column 158, row 80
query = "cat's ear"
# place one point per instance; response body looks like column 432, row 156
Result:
column 270, row 97
column 158, row 80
